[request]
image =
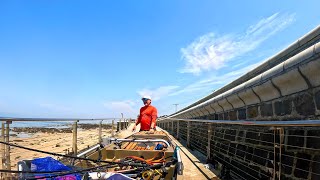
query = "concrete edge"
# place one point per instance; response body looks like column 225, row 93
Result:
column 200, row 166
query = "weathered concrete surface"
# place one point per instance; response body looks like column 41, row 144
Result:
column 290, row 82
column 310, row 40
column 249, row 97
column 296, row 85
column 193, row 168
column 235, row 101
column 267, row 91
column 286, row 87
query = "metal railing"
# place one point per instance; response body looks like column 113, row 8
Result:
column 253, row 149
column 69, row 124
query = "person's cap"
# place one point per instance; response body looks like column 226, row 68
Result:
column 146, row 98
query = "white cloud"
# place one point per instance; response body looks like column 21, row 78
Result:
column 212, row 51
column 131, row 108
column 211, row 81
column 158, row 93
column 127, row 107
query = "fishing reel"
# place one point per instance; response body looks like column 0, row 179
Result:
column 150, row 174
column 147, row 175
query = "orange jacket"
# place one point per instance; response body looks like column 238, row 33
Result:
column 148, row 114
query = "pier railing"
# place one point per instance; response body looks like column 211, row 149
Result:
column 71, row 125
column 253, row 149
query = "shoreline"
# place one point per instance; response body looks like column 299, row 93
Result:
column 57, row 140
column 17, row 131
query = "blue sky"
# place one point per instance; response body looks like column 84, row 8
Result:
column 94, row 59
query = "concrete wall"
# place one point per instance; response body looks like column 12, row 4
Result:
column 295, row 48
column 286, row 87
column 290, row 90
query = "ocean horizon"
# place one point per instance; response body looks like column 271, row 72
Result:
column 54, row 124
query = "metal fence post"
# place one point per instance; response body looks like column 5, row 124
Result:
column 172, row 130
column 279, row 146
column 281, row 141
column 112, row 128
column 188, row 134
column 209, row 141
column 128, row 120
column 275, row 146
column 120, row 124
column 178, row 129
column 3, row 154
column 7, row 158
column 100, row 132
column 75, row 137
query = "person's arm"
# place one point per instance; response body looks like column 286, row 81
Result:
column 154, row 116
column 138, row 120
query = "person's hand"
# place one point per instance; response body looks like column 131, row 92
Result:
column 134, row 127
column 151, row 131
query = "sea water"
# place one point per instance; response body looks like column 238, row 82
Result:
column 45, row 124
column 55, row 124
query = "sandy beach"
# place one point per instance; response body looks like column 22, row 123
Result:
column 52, row 139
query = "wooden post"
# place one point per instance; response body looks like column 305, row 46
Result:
column 7, row 158
column 3, row 153
column 120, row 124
column 75, row 137
column 100, row 132
column 178, row 129
column 127, row 123
column 188, row 134
column 112, row 128
column 209, row 141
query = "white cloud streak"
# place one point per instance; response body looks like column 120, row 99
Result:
column 131, row 108
column 157, row 94
column 212, row 51
column 213, row 80
column 127, row 107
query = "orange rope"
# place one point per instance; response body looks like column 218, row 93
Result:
column 149, row 161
